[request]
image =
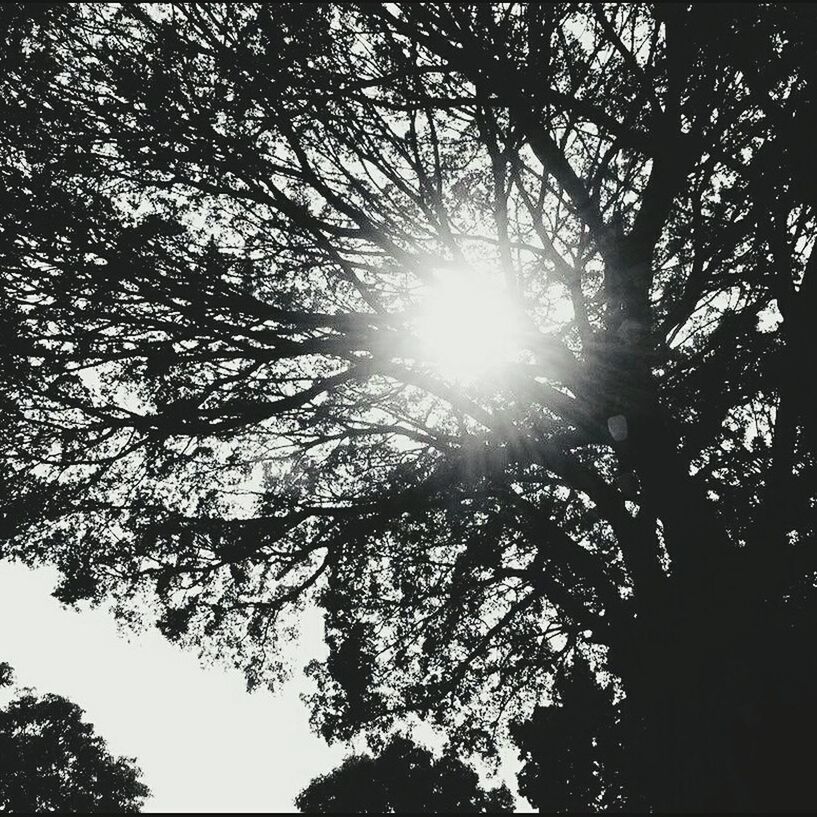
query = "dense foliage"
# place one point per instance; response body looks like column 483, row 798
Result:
column 51, row 760
column 574, row 751
column 219, row 228
column 403, row 777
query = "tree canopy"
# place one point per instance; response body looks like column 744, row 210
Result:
column 574, row 750
column 403, row 777
column 51, row 760
column 223, row 228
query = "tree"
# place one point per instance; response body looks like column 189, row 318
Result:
column 51, row 760
column 404, row 777
column 222, row 231
column 573, row 751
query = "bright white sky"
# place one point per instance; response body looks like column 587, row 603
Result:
column 203, row 743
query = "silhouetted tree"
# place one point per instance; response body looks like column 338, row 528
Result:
column 404, row 777
column 220, row 224
column 51, row 760
column 572, row 750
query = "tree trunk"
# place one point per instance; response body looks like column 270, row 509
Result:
column 721, row 711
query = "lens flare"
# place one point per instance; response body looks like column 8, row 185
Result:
column 468, row 326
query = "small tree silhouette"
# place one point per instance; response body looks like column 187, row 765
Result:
column 51, row 760
column 404, row 777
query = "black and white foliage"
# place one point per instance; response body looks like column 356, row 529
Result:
column 486, row 327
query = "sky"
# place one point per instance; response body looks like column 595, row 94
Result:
column 203, row 743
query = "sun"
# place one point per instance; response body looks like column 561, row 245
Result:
column 468, row 325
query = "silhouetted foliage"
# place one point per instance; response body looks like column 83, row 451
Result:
column 404, row 777
column 51, row 760
column 220, row 226
column 572, row 751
